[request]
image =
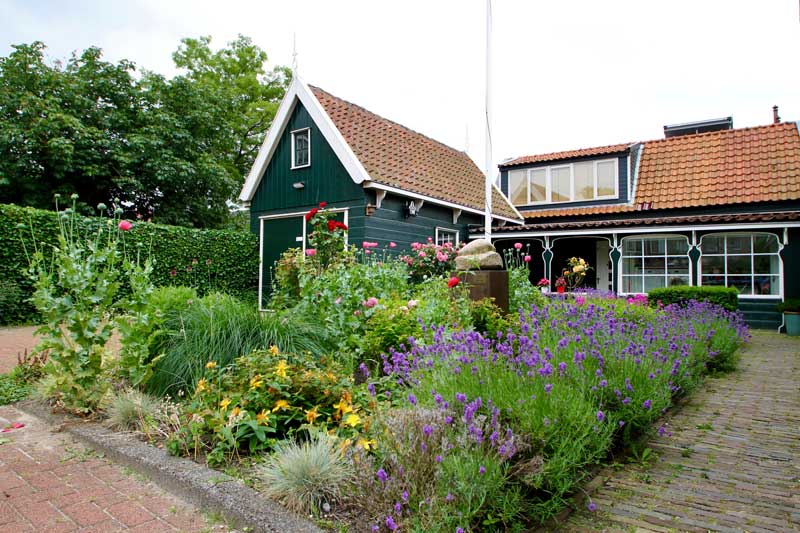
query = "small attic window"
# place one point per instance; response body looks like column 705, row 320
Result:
column 301, row 148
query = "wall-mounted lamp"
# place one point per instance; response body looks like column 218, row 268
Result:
column 299, row 185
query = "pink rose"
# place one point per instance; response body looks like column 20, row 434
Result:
column 421, row 254
column 124, row 225
column 311, row 252
column 392, row 245
column 518, row 245
column 441, row 257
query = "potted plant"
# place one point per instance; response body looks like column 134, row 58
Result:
column 791, row 315
column 544, row 285
column 561, row 284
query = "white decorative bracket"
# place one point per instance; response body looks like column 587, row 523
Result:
column 379, row 196
column 456, row 215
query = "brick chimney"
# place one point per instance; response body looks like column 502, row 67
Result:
column 776, row 119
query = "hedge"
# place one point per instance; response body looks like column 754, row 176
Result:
column 727, row 297
column 205, row 259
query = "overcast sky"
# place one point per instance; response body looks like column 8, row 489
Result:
column 567, row 74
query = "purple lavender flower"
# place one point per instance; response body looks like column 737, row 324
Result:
column 390, row 523
column 405, row 496
column 371, row 389
column 427, row 430
column 461, row 397
column 382, row 475
column 600, row 416
column 449, row 497
column 548, row 387
column 647, row 404
column 438, row 458
column 626, row 400
column 603, row 383
column 364, row 370
column 412, row 399
column 375, row 527
column 482, row 470
column 459, row 530
column 398, row 508
column 621, row 423
column 592, row 507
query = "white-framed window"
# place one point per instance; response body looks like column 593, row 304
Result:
column 652, row 262
column 748, row 261
column 301, row 148
column 444, row 236
column 573, row 182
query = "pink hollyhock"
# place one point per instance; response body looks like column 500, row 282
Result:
column 311, row 252
column 452, row 282
column 367, row 252
column 527, row 258
column 124, row 225
column 518, row 245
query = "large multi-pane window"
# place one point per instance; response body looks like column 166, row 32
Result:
column 747, row 261
column 652, row 262
column 574, row 182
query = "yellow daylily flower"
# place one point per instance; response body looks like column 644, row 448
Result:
column 312, row 415
column 280, row 405
column 281, row 368
column 352, row 420
column 211, row 364
column 274, row 350
column 263, row 417
column 235, row 411
column 342, row 408
column 202, row 385
column 367, row 444
column 256, row 382
column 225, row 403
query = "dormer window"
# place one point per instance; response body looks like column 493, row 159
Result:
column 301, row 148
column 573, row 182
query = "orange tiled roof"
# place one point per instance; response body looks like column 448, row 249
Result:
column 739, row 166
column 568, row 154
column 396, row 156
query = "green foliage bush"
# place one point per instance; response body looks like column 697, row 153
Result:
column 725, row 297
column 209, row 260
column 265, row 396
column 220, row 328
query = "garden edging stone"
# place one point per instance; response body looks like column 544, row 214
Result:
column 198, row 484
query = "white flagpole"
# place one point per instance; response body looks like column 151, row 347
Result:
column 487, row 219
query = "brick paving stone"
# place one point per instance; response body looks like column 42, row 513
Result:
column 50, row 482
column 732, row 463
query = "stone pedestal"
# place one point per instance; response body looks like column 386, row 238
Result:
column 487, row 284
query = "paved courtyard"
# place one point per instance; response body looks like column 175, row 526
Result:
column 15, row 341
column 732, row 463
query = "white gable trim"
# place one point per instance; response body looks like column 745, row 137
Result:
column 299, row 91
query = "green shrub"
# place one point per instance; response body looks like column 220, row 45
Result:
column 522, row 294
column 13, row 388
column 791, row 305
column 206, row 259
column 266, row 396
column 488, row 318
column 220, row 328
column 725, row 297
column 390, row 326
column 306, row 475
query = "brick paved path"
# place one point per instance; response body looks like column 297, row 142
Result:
column 732, row 464
column 14, row 341
column 49, row 482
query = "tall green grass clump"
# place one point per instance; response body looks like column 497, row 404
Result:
column 220, row 328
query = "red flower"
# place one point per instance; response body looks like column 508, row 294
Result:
column 124, row 225
column 341, row 225
column 311, row 213
column 322, row 204
column 452, row 282
column 332, row 225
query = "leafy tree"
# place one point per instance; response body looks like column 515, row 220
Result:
column 174, row 150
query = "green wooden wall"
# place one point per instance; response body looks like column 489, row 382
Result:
column 388, row 224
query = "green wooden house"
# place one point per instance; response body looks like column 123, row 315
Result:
column 389, row 184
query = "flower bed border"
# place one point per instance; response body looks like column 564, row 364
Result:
column 208, row 489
